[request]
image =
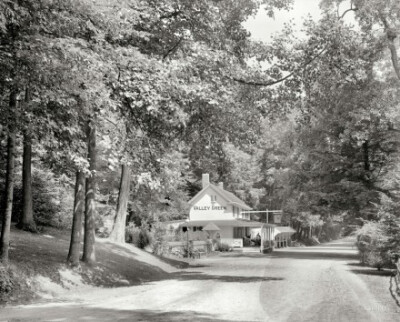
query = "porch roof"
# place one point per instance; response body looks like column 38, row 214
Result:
column 224, row 223
column 284, row 229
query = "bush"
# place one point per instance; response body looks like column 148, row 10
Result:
column 132, row 233
column 188, row 250
column 330, row 231
column 375, row 259
column 144, row 238
column 372, row 245
column 104, row 220
column 222, row 247
column 209, row 246
column 159, row 242
column 52, row 201
column 6, row 282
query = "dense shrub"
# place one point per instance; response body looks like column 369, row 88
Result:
column 132, row 233
column 139, row 236
column 104, row 221
column 52, row 201
column 209, row 246
column 6, row 282
column 372, row 245
column 188, row 250
column 159, row 239
column 330, row 231
column 222, row 247
column 144, row 238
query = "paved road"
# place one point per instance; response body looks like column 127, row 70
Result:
column 319, row 284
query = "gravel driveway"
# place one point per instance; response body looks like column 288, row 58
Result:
column 322, row 283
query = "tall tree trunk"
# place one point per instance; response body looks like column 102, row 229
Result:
column 89, row 255
column 26, row 222
column 118, row 231
column 76, row 233
column 9, row 191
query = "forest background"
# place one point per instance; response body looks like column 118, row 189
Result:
column 111, row 111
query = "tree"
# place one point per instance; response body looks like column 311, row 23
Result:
column 76, row 230
column 26, row 222
column 6, row 218
column 118, row 232
column 89, row 255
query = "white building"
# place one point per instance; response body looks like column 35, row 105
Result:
column 216, row 213
column 217, row 206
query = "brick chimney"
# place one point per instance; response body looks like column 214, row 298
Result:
column 221, row 185
column 205, row 181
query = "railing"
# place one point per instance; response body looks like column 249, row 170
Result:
column 233, row 242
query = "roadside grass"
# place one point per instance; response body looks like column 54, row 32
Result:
column 44, row 254
column 379, row 282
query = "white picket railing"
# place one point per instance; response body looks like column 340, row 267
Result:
column 233, row 242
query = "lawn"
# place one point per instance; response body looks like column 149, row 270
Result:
column 44, row 254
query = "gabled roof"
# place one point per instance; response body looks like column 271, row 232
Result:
column 228, row 196
column 211, row 227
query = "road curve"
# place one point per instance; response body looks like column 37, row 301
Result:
column 326, row 283
column 323, row 284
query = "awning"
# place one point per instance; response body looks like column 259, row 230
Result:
column 223, row 223
column 284, row 229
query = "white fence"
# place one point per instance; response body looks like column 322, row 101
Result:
column 233, row 242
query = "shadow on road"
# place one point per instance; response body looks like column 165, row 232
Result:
column 311, row 253
column 372, row 271
column 79, row 313
column 188, row 276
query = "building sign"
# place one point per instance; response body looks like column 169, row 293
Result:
column 209, row 208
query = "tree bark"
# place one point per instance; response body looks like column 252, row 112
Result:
column 9, row 191
column 89, row 255
column 391, row 35
column 26, row 222
column 118, row 231
column 76, row 232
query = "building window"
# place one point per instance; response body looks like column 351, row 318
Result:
column 213, row 198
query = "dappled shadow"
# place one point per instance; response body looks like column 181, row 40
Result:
column 125, row 251
column 311, row 253
column 188, row 276
column 358, row 264
column 240, row 254
column 118, row 249
column 79, row 313
column 359, row 268
column 174, row 262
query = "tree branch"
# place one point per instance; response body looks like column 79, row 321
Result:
column 348, row 10
column 274, row 82
column 171, row 15
column 171, row 50
column 277, row 81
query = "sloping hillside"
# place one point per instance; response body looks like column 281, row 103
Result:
column 37, row 264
